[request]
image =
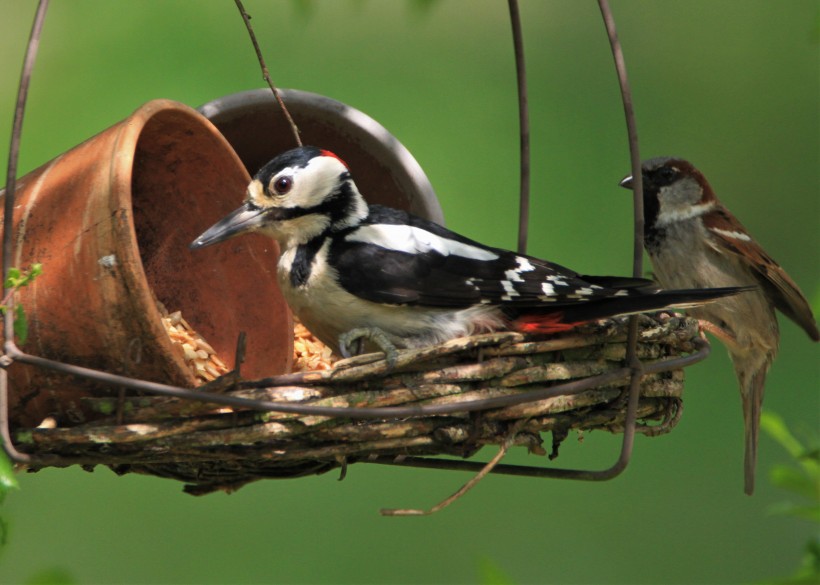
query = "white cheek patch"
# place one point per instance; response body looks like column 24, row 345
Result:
column 413, row 240
column 735, row 235
column 671, row 215
column 314, row 182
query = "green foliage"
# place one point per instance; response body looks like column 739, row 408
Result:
column 7, row 483
column 802, row 479
column 52, row 577
column 16, row 280
column 489, row 573
column 7, row 480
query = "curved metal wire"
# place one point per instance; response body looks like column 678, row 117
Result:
column 635, row 370
column 8, row 220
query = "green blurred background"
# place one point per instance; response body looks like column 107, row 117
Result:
column 734, row 86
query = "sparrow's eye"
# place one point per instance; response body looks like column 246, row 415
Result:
column 282, row 185
column 666, row 175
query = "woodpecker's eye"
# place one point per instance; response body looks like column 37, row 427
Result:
column 282, row 185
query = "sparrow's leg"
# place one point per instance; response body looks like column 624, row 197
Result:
column 729, row 340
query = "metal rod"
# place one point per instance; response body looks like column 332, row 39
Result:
column 14, row 155
column 8, row 222
column 524, row 127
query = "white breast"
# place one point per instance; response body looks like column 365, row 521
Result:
column 328, row 310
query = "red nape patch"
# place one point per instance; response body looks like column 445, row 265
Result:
column 334, row 155
column 542, row 324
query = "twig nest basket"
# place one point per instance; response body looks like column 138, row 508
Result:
column 218, row 448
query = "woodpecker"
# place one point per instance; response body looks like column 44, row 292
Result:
column 693, row 240
column 350, row 270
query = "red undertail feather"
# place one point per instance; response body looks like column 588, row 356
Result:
column 538, row 324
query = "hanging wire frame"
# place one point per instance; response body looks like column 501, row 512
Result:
column 270, row 401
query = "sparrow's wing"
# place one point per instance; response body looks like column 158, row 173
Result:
column 729, row 235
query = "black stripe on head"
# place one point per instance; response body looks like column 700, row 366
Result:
column 338, row 206
column 297, row 157
column 342, row 203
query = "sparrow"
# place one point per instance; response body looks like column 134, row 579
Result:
column 693, row 240
column 352, row 271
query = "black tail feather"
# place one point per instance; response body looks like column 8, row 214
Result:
column 642, row 303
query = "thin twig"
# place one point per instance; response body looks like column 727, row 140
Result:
column 266, row 74
column 488, row 467
column 524, row 128
column 8, row 219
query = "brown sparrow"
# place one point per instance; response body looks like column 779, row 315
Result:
column 695, row 242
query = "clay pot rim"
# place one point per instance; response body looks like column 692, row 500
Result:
column 131, row 131
column 360, row 126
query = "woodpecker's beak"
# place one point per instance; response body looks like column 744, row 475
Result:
column 626, row 182
column 245, row 219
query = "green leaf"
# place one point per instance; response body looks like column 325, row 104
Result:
column 13, row 277
column 489, row 573
column 776, row 428
column 795, row 481
column 8, row 481
column 32, row 273
column 810, row 513
column 20, row 324
column 54, row 576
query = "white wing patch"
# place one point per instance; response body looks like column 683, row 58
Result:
column 524, row 265
column 548, row 290
column 509, row 291
column 735, row 235
column 414, row 240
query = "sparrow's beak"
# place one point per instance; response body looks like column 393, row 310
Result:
column 245, row 219
column 626, row 182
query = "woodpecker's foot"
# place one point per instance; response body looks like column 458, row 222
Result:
column 374, row 334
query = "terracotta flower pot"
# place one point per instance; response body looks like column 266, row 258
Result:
column 110, row 221
column 383, row 168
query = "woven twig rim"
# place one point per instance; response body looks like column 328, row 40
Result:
column 213, row 447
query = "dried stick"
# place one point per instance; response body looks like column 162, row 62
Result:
column 266, row 74
column 502, row 450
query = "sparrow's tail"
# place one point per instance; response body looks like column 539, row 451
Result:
column 751, row 395
column 556, row 317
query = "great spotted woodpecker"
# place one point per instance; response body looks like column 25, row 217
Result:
column 347, row 266
column 694, row 241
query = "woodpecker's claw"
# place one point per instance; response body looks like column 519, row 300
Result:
column 374, row 334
